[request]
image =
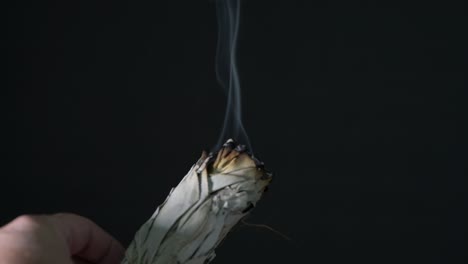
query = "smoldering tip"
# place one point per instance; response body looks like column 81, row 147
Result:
column 232, row 144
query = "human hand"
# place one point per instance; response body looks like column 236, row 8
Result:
column 57, row 239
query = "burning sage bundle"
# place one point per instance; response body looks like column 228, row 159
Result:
column 216, row 193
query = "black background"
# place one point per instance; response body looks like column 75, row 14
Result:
column 357, row 108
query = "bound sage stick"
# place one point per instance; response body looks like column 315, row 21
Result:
column 217, row 192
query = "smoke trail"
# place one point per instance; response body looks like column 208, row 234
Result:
column 228, row 13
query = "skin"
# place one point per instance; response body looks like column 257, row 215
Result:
column 57, row 239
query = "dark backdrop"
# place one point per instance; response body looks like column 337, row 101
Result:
column 357, row 109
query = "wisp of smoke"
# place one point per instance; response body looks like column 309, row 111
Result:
column 228, row 14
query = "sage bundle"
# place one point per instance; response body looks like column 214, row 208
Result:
column 217, row 192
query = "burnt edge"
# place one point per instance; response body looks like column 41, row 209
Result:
column 241, row 148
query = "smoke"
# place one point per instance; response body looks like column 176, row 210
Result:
column 228, row 13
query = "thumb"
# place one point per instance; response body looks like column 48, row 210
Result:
column 87, row 242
